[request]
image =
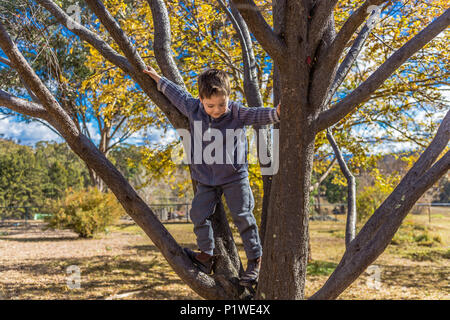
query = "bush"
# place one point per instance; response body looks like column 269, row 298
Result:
column 428, row 255
column 85, row 212
column 318, row 268
column 413, row 234
column 371, row 197
column 369, row 200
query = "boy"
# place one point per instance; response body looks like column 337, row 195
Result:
column 214, row 111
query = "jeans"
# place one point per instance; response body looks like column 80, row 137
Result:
column 239, row 198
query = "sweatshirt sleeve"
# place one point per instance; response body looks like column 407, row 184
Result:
column 179, row 97
column 257, row 115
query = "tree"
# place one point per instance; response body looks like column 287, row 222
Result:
column 306, row 51
column 20, row 178
column 29, row 176
column 444, row 195
column 108, row 116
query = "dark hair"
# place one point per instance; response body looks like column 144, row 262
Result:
column 213, row 81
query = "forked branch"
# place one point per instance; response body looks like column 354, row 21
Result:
column 364, row 90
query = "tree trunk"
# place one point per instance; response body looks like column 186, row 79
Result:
column 303, row 34
column 96, row 181
column 285, row 245
column 350, row 229
column 319, row 211
column 285, row 251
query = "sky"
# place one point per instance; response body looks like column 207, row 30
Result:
column 30, row 133
column 27, row 134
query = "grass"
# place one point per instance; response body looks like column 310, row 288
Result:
column 322, row 268
column 413, row 233
column 428, row 255
column 125, row 263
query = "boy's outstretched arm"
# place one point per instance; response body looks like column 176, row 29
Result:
column 259, row 115
column 179, row 97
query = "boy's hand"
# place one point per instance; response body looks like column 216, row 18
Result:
column 152, row 73
column 279, row 109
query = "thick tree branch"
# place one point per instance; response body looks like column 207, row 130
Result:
column 251, row 85
column 56, row 113
column 238, row 27
column 350, row 229
column 350, row 58
column 321, row 77
column 329, row 58
column 32, row 95
column 117, row 34
column 377, row 233
column 162, row 42
column 321, row 13
column 346, row 32
column 23, row 106
column 87, row 35
column 269, row 40
column 363, row 92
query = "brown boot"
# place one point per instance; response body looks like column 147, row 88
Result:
column 251, row 274
column 202, row 260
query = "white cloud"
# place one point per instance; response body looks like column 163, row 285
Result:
column 30, row 133
column 26, row 133
column 158, row 136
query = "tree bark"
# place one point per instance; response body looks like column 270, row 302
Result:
column 285, row 242
column 206, row 286
column 350, row 228
column 306, row 71
column 379, row 230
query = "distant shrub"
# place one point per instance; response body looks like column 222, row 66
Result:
column 428, row 255
column 411, row 233
column 371, row 197
column 369, row 200
column 317, row 268
column 85, row 212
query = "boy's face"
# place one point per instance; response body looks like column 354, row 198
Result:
column 216, row 105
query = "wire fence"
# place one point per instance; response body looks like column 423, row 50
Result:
column 167, row 212
column 164, row 211
column 418, row 208
column 172, row 211
column 19, row 213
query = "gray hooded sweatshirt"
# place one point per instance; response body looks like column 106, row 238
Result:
column 218, row 147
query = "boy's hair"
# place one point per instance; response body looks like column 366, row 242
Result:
column 212, row 82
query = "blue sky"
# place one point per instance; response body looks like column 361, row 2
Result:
column 30, row 133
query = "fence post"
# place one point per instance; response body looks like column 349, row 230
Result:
column 26, row 216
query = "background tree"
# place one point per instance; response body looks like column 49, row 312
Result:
column 306, row 50
column 104, row 106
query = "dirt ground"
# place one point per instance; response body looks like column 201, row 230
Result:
column 124, row 264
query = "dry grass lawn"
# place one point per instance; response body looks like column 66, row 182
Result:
column 124, row 263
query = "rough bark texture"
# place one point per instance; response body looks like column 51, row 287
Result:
column 350, row 228
column 306, row 50
column 377, row 233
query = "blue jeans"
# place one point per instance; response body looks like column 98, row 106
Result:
column 239, row 198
